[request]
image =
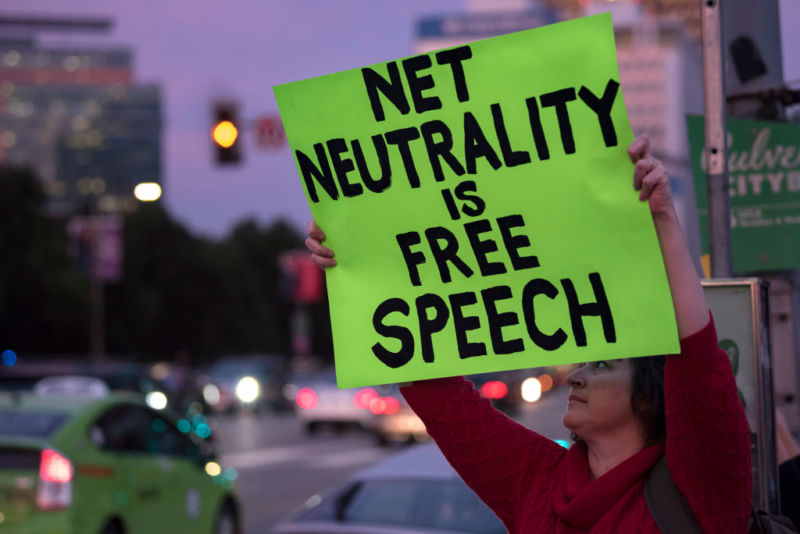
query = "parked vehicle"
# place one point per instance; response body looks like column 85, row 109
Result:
column 413, row 492
column 75, row 457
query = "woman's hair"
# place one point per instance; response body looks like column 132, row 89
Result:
column 647, row 398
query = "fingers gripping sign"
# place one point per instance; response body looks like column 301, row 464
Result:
column 650, row 177
column 320, row 254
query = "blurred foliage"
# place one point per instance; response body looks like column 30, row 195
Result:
column 180, row 293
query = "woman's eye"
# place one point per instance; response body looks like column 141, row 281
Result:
column 599, row 365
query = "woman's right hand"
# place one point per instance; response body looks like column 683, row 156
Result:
column 320, row 255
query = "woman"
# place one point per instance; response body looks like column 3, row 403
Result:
column 624, row 414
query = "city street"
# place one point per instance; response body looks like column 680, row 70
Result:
column 280, row 467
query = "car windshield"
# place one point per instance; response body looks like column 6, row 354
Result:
column 430, row 504
column 29, row 424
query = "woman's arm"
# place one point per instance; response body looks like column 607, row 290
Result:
column 708, row 440
column 651, row 179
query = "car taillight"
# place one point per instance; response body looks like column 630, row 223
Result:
column 55, row 481
column 494, row 389
column 306, row 398
column 392, row 405
column 384, row 406
column 364, row 398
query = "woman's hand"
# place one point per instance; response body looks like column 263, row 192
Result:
column 320, row 255
column 650, row 178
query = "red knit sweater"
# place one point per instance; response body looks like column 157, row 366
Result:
column 535, row 485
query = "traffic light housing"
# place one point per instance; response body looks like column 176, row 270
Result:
column 225, row 133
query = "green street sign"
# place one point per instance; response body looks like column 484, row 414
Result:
column 764, row 172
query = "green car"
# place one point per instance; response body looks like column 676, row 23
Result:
column 107, row 464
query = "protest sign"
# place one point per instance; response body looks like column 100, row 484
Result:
column 764, row 175
column 480, row 203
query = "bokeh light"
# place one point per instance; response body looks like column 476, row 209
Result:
column 211, row 394
column 9, row 357
column 213, row 469
column 546, row 381
column 247, row 389
column 184, row 426
column 156, row 400
column 147, row 191
column 202, row 430
column 225, row 134
column 531, row 389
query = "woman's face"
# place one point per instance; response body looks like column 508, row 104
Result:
column 600, row 398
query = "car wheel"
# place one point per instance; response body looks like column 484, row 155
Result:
column 113, row 527
column 227, row 521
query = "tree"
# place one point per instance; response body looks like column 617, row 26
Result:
column 43, row 299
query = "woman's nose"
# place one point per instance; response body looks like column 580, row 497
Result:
column 576, row 379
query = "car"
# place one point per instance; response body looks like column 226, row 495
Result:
column 246, row 382
column 412, row 492
column 116, row 375
column 393, row 419
column 319, row 403
column 78, row 458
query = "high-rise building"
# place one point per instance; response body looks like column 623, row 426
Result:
column 75, row 116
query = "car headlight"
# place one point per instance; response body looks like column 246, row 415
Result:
column 531, row 389
column 211, row 394
column 247, row 389
column 156, row 400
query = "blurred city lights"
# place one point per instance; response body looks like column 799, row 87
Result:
column 184, row 426
column 158, row 426
column 364, row 397
column 230, row 473
column 156, row 400
column 531, row 389
column 546, row 381
column 247, row 389
column 202, row 430
column 494, row 389
column 9, row 357
column 213, row 469
column 225, row 134
column 306, row 399
column 147, row 191
column 211, row 394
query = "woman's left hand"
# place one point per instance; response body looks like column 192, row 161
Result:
column 650, row 178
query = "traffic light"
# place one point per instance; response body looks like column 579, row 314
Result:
column 225, row 133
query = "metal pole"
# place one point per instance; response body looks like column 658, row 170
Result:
column 716, row 154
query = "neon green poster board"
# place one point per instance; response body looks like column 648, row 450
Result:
column 480, row 203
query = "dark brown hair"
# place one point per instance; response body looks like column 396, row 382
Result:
column 647, row 398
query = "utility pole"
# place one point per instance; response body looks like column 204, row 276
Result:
column 716, row 151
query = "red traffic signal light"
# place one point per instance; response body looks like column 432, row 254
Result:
column 225, row 133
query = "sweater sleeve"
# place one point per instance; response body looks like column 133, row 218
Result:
column 708, row 438
column 497, row 457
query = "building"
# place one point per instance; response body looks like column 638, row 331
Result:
column 76, row 117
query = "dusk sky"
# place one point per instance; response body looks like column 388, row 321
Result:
column 201, row 50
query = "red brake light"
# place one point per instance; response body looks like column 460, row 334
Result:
column 54, row 467
column 494, row 389
column 377, row 405
column 306, row 398
column 392, row 405
column 364, row 397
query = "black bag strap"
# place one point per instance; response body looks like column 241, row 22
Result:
column 667, row 504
